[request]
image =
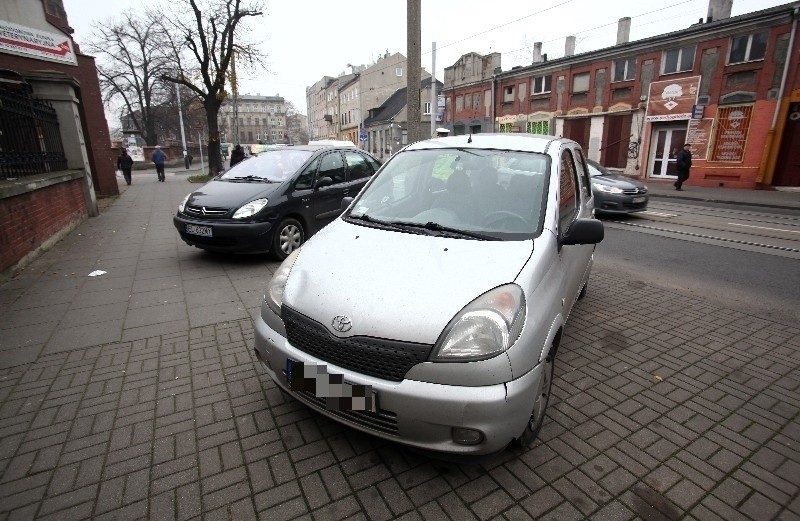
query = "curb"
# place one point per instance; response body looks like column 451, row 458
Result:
column 727, row 201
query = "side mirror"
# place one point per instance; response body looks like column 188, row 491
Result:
column 346, row 202
column 323, row 181
column 583, row 231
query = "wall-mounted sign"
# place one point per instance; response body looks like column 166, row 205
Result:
column 35, row 43
column 697, row 111
column 732, row 129
column 672, row 100
column 698, row 135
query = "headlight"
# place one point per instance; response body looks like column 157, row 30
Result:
column 250, row 209
column 607, row 189
column 489, row 325
column 182, row 204
column 274, row 295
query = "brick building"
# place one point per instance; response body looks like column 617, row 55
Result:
column 730, row 86
column 55, row 149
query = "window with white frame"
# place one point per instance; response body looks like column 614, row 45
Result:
column 624, row 69
column 476, row 101
column 508, row 94
column 748, row 47
column 541, row 84
column 398, row 71
column 580, row 83
column 427, row 108
column 678, row 60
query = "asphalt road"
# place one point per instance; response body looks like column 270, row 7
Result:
column 746, row 260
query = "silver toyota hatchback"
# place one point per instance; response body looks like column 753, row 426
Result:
column 430, row 312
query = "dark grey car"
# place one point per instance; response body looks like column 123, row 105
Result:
column 616, row 193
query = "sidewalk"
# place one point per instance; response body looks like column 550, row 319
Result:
column 764, row 198
column 134, row 394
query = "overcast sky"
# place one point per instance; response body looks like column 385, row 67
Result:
column 307, row 39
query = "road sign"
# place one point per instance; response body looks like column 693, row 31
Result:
column 362, row 137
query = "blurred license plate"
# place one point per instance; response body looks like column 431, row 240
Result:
column 639, row 199
column 338, row 394
column 205, row 231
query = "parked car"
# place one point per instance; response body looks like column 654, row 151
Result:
column 615, row 193
column 274, row 201
column 430, row 312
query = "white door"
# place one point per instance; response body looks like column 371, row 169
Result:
column 665, row 142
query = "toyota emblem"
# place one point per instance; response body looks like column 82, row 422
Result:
column 341, row 323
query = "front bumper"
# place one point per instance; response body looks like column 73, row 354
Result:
column 415, row 413
column 619, row 203
column 228, row 237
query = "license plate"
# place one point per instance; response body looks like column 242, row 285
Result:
column 205, row 231
column 338, row 394
column 639, row 199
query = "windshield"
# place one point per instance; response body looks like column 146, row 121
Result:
column 594, row 170
column 488, row 193
column 272, row 165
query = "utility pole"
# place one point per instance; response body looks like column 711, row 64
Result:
column 434, row 105
column 180, row 117
column 414, row 30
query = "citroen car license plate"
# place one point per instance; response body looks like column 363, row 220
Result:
column 639, row 199
column 338, row 394
column 205, row 231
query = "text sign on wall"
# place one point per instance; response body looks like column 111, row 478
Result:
column 698, row 135
column 732, row 128
column 672, row 100
column 42, row 45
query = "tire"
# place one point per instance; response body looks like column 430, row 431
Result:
column 289, row 235
column 538, row 413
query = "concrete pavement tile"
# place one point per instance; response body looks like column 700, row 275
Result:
column 224, row 312
column 155, row 330
column 208, row 284
column 14, row 337
column 101, row 298
column 157, row 297
column 89, row 316
column 201, row 299
column 148, row 316
column 36, row 297
column 156, row 284
column 19, row 355
column 36, row 315
column 67, row 339
column 157, row 272
column 108, row 281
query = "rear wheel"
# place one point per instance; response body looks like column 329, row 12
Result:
column 289, row 235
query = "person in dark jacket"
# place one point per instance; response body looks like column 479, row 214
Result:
column 237, row 155
column 683, row 162
column 125, row 163
column 158, row 159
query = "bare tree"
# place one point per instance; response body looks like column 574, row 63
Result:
column 296, row 127
column 131, row 61
column 203, row 45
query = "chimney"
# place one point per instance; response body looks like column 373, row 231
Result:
column 624, row 30
column 569, row 46
column 537, row 52
column 719, row 9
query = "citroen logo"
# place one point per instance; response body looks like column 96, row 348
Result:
column 341, row 323
column 203, row 210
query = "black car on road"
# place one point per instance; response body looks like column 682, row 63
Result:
column 275, row 201
column 616, row 193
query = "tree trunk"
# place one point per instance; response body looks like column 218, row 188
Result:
column 214, row 152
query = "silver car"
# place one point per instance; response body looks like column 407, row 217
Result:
column 430, row 312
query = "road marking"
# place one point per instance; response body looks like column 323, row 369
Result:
column 765, row 228
column 659, row 214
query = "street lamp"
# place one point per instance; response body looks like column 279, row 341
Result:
column 360, row 111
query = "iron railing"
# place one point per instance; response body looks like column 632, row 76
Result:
column 30, row 141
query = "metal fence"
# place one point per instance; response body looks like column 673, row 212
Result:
column 30, row 142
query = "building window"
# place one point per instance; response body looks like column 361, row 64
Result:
column 580, row 82
column 678, row 60
column 467, row 101
column 541, row 84
column 538, row 127
column 398, row 71
column 476, row 101
column 506, row 127
column 508, row 94
column 624, row 69
column 748, row 48
column 459, row 103
column 426, row 108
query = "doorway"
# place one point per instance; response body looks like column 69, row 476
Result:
column 787, row 168
column 664, row 145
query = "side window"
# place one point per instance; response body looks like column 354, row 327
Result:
column 357, row 166
column 332, row 166
column 568, row 197
column 305, row 181
column 583, row 172
column 375, row 165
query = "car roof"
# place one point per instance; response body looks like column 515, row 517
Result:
column 501, row 141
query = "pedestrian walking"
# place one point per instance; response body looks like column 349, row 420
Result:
column 237, row 155
column 158, row 158
column 683, row 162
column 125, row 163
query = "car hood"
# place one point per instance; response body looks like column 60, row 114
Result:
column 225, row 194
column 394, row 285
column 617, row 180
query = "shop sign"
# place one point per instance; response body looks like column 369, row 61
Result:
column 698, row 135
column 672, row 100
column 35, row 43
column 733, row 126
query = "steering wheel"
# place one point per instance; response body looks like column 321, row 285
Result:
column 503, row 215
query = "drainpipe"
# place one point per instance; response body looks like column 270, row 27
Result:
column 494, row 80
column 767, row 166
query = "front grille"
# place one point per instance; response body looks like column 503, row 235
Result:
column 634, row 191
column 383, row 421
column 387, row 359
column 205, row 211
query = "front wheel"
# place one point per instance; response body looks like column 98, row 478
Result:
column 540, row 404
column 289, row 235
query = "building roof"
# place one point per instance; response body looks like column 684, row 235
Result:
column 395, row 103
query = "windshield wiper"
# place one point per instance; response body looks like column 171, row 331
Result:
column 367, row 219
column 249, row 178
column 430, row 225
